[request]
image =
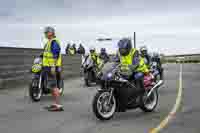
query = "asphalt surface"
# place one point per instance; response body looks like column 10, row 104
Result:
column 19, row 115
column 188, row 118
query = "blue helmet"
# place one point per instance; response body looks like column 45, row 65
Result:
column 103, row 50
column 125, row 46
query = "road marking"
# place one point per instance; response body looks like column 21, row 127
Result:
column 171, row 115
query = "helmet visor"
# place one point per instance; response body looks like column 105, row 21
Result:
column 123, row 51
column 92, row 51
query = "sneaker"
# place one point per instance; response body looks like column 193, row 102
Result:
column 55, row 107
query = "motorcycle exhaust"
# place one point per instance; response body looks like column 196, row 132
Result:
column 155, row 86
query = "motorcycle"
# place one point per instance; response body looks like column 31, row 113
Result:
column 90, row 71
column 157, row 71
column 107, row 101
column 40, row 81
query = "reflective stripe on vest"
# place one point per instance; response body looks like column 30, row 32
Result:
column 48, row 59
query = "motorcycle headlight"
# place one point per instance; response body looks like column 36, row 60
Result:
column 36, row 68
column 109, row 75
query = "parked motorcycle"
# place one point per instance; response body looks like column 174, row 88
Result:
column 107, row 102
column 40, row 81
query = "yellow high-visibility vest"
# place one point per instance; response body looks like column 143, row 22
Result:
column 48, row 59
column 127, row 60
column 71, row 51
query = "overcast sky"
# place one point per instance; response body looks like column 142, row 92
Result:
column 167, row 26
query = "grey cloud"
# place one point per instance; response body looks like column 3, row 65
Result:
column 165, row 25
column 37, row 9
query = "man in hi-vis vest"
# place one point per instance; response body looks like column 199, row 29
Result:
column 52, row 62
column 132, row 67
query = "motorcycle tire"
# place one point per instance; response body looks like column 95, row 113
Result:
column 34, row 92
column 149, row 108
column 96, row 110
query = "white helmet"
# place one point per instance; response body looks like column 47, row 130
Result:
column 143, row 48
column 92, row 48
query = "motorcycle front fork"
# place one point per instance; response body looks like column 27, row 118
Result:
column 40, row 82
column 111, row 95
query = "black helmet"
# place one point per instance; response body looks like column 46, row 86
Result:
column 125, row 46
column 103, row 50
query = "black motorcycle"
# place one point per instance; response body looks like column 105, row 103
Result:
column 40, row 82
column 107, row 101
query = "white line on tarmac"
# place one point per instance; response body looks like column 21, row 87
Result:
column 171, row 115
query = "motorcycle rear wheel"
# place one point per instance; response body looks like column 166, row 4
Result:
column 149, row 104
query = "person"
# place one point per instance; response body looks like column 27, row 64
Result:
column 81, row 49
column 156, row 58
column 67, row 48
column 95, row 58
column 104, row 56
column 74, row 47
column 71, row 51
column 132, row 67
column 145, row 56
column 52, row 63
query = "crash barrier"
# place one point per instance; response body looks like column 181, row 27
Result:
column 15, row 65
column 186, row 59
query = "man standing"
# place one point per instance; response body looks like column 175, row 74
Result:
column 52, row 62
column 67, row 49
column 81, row 50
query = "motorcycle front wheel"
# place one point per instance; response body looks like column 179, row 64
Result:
column 35, row 92
column 102, row 109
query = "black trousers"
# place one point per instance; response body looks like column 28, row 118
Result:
column 128, row 92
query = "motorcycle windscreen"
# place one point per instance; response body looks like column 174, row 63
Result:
column 107, row 68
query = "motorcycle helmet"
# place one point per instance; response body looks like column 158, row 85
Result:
column 103, row 50
column 155, row 55
column 92, row 49
column 143, row 50
column 125, row 46
column 36, row 68
column 49, row 29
